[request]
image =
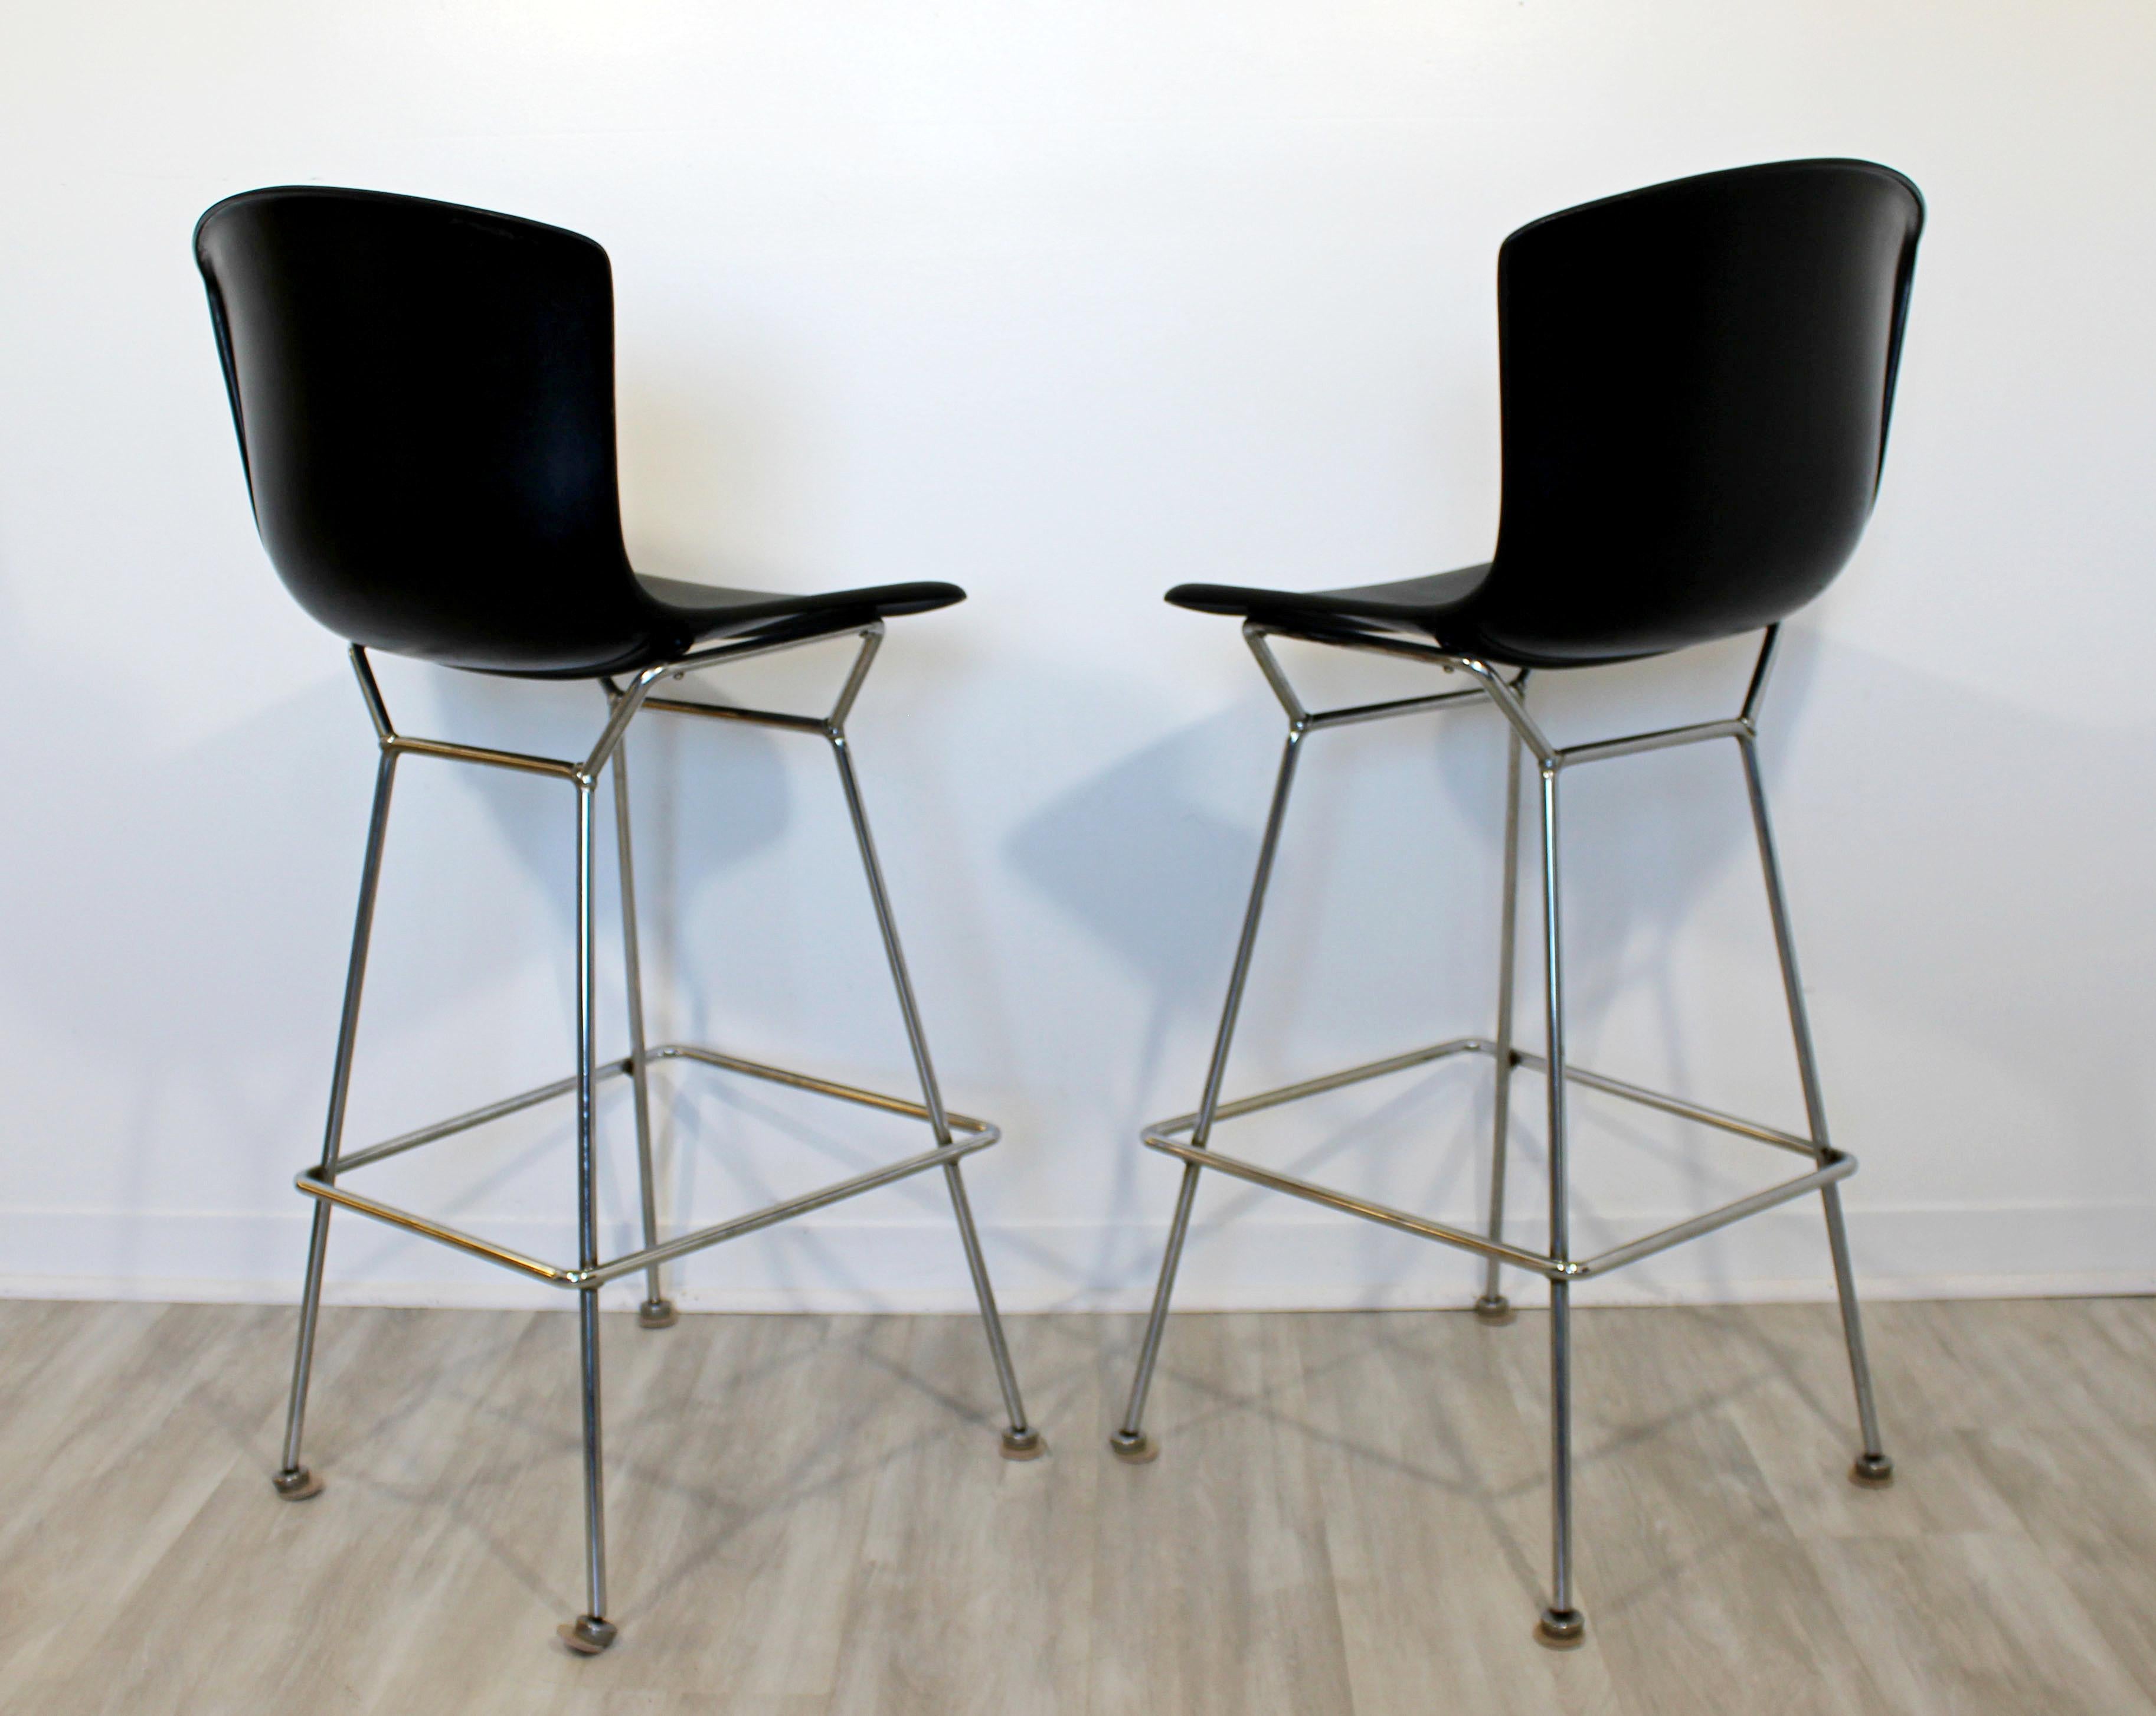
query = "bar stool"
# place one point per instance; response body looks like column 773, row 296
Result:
column 424, row 398
column 1697, row 379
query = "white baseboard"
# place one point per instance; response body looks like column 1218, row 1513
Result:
column 1259, row 1261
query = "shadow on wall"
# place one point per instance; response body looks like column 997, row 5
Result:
column 1979, row 868
column 1945, row 849
column 1380, row 927
column 739, row 803
column 1137, row 858
column 190, row 913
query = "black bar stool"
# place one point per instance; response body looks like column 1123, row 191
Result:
column 424, row 398
column 1697, row 379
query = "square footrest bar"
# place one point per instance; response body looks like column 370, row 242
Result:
column 1832, row 1165
column 972, row 1135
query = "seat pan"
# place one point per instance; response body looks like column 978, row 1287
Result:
column 710, row 611
column 1415, row 604
column 678, row 616
column 1445, row 608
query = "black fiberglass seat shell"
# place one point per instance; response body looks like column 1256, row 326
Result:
column 1696, row 381
column 424, row 398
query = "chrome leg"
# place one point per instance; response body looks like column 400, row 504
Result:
column 1872, row 1467
column 1493, row 1306
column 1020, row 1440
column 1562, row 1625
column 1131, row 1442
column 657, row 1310
column 590, row 1632
column 293, row 1480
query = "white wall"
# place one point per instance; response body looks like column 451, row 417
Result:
column 1069, row 303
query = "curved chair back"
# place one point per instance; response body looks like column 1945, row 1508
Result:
column 1697, row 381
column 424, row 398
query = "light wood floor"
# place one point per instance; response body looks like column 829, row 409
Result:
column 808, row 1515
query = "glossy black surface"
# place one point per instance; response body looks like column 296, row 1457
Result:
column 424, row 397
column 1697, row 379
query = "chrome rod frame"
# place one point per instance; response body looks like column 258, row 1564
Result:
column 1872, row 1465
column 293, row 1480
column 1367, row 1207
column 1492, row 1306
column 1020, row 1440
column 593, row 1619
column 1562, row 1624
column 349, row 1159
column 955, row 1135
column 1831, row 1173
column 657, row 1310
column 1130, row 1442
column 564, row 1275
column 1674, row 1105
column 1826, row 1171
column 1328, row 1081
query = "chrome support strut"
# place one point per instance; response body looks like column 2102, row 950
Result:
column 1020, row 1440
column 1561, row 1624
column 1872, row 1466
column 657, row 1310
column 293, row 1481
column 1493, row 1306
column 1131, row 1442
column 591, row 1631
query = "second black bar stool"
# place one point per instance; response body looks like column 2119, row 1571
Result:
column 424, row 398
column 1697, row 379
